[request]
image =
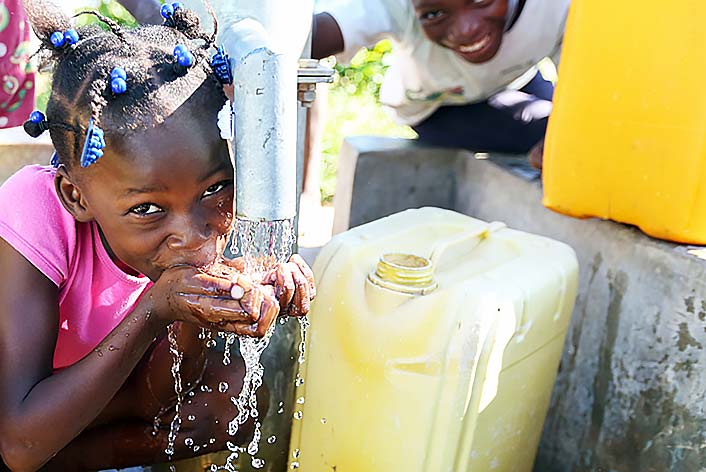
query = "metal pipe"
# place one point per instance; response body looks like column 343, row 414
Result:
column 265, row 64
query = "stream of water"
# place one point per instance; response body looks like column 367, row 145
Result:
column 262, row 245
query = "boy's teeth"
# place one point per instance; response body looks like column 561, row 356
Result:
column 480, row 44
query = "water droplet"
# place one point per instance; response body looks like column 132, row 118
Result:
column 295, row 465
column 212, row 441
column 189, row 442
column 258, row 463
column 271, row 439
column 298, row 415
column 282, row 320
column 211, row 343
column 99, row 352
column 299, row 381
column 296, row 453
column 280, row 411
column 223, row 387
column 323, row 420
column 191, row 394
column 231, row 447
column 196, row 448
column 281, row 404
column 300, row 400
column 205, row 388
column 214, row 468
column 191, row 417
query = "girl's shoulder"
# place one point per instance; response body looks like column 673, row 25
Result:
column 35, row 223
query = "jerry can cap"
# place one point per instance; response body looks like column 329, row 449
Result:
column 405, row 273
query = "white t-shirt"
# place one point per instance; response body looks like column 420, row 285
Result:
column 424, row 75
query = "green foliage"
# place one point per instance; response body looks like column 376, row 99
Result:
column 110, row 9
column 366, row 70
column 353, row 108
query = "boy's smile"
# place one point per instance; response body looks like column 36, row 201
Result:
column 472, row 28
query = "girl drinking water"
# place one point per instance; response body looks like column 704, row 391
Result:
column 104, row 250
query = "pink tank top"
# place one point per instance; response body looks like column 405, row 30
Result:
column 94, row 294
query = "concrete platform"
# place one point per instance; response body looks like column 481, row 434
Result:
column 631, row 393
column 17, row 150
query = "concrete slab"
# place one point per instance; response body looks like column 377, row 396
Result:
column 630, row 394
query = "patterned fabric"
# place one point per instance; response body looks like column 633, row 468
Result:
column 16, row 76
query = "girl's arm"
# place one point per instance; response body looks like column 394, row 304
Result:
column 41, row 411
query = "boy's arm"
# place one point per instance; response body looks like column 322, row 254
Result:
column 144, row 11
column 326, row 36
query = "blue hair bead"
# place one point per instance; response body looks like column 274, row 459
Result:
column 71, row 36
column 167, row 11
column 119, row 86
column 186, row 60
column 177, row 6
column 180, row 50
column 55, row 160
column 93, row 146
column 118, row 73
column 221, row 66
column 57, row 39
column 36, row 117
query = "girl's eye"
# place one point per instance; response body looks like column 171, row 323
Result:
column 431, row 15
column 145, row 209
column 213, row 189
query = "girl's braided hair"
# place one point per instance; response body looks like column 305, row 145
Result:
column 81, row 86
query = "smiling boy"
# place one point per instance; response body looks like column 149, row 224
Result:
column 464, row 71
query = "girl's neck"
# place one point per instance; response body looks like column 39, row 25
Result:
column 118, row 263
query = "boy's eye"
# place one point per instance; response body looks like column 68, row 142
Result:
column 431, row 15
column 145, row 209
column 213, row 189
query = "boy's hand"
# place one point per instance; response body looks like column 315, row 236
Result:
column 536, row 155
column 294, row 286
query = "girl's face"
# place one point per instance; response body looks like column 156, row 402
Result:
column 164, row 196
column 473, row 29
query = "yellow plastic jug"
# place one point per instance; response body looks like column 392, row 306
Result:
column 433, row 346
column 626, row 136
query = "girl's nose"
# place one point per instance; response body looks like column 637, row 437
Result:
column 189, row 234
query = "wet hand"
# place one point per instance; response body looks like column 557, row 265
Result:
column 259, row 301
column 294, row 286
column 185, row 293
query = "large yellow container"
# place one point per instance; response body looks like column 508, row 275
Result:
column 443, row 367
column 626, row 137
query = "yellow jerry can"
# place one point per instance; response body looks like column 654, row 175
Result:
column 626, row 136
column 433, row 346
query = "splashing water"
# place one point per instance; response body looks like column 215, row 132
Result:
column 303, row 326
column 262, row 245
column 176, row 373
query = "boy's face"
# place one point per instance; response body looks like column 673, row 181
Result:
column 164, row 197
column 473, row 29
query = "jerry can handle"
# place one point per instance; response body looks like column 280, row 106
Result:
column 472, row 238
